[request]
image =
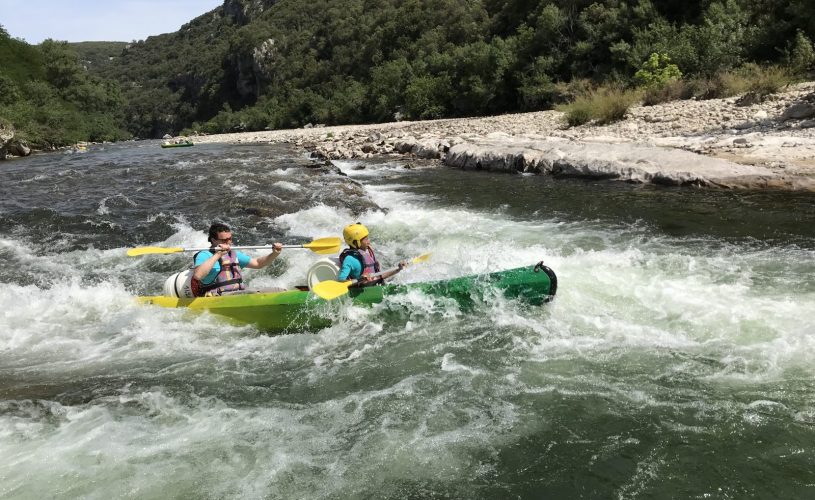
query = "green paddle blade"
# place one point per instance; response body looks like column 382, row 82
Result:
column 324, row 246
column 135, row 252
column 330, row 290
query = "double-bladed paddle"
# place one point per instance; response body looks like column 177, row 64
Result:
column 330, row 289
column 323, row 246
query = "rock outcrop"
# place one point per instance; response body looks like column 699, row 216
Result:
column 10, row 145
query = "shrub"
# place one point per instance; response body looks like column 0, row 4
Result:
column 721, row 85
column 801, row 56
column 605, row 105
column 612, row 104
column 577, row 112
column 764, row 81
column 671, row 91
column 657, row 71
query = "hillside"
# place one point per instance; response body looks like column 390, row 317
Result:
column 98, row 54
column 258, row 64
column 48, row 99
column 270, row 64
column 19, row 61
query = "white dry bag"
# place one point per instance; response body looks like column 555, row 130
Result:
column 179, row 285
column 322, row 270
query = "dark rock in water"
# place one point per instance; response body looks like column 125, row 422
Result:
column 258, row 211
column 19, row 148
column 359, row 167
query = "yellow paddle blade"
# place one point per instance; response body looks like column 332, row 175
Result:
column 330, row 290
column 421, row 258
column 135, row 252
column 324, row 246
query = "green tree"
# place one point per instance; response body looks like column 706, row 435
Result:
column 801, row 54
column 61, row 63
column 427, row 96
column 657, row 71
column 9, row 92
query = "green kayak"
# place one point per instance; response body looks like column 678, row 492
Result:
column 177, row 144
column 299, row 309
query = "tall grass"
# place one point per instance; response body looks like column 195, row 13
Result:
column 603, row 105
column 753, row 82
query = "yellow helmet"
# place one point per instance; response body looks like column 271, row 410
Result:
column 354, row 233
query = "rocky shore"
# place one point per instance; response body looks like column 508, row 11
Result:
column 712, row 143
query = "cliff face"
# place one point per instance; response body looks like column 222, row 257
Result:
column 214, row 60
column 242, row 12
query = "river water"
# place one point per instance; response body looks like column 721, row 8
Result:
column 678, row 360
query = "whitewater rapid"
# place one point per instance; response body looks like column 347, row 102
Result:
column 657, row 350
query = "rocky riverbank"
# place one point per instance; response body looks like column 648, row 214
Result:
column 714, row 143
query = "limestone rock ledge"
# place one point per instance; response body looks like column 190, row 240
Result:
column 630, row 162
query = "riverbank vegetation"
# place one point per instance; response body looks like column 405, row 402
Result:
column 254, row 65
column 50, row 100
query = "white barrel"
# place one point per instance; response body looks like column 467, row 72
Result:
column 179, row 285
column 324, row 269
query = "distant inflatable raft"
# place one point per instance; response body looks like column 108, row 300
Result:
column 299, row 309
column 184, row 144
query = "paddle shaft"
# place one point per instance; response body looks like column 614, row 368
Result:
column 376, row 275
column 257, row 247
column 415, row 260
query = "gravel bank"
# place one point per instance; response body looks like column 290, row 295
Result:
column 713, row 143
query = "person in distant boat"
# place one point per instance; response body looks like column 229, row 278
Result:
column 218, row 271
column 358, row 261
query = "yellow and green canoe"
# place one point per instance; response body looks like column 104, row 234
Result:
column 295, row 310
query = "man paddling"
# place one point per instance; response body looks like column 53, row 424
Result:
column 218, row 271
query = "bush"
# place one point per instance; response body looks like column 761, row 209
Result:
column 577, row 112
column 612, row 104
column 671, row 91
column 657, row 71
column 605, row 105
column 763, row 81
column 801, row 56
column 721, row 85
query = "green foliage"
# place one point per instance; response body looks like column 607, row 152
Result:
column 97, row 54
column 275, row 64
column 578, row 112
column 764, row 81
column 671, row 91
column 537, row 90
column 657, row 71
column 426, row 96
column 51, row 101
column 801, row 54
column 8, row 90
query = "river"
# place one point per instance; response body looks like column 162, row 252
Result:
column 677, row 360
